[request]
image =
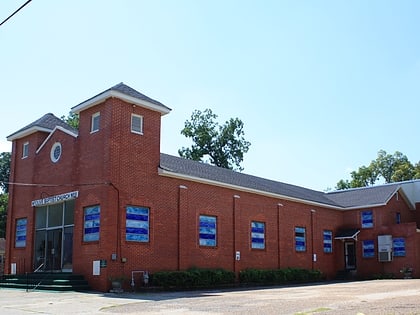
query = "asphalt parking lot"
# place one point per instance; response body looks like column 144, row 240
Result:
column 367, row 297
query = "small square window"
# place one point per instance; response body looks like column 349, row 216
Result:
column 398, row 218
column 95, row 122
column 25, row 150
column 137, row 124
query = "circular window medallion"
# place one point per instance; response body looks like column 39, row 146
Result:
column 55, row 153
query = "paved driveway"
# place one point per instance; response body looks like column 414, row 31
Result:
column 367, row 297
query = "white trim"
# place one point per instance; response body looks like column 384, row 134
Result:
column 25, row 145
column 141, row 124
column 52, row 151
column 50, row 135
column 130, row 99
column 92, row 118
column 27, row 132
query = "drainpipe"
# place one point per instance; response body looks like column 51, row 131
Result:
column 312, row 239
column 118, row 241
column 279, row 207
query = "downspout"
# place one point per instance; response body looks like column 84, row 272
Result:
column 312, row 239
column 279, row 206
column 118, row 241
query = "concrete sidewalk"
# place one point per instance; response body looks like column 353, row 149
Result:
column 367, row 297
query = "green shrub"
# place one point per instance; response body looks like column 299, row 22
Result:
column 193, row 278
column 279, row 276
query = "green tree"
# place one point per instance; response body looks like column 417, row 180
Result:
column 388, row 167
column 4, row 198
column 5, row 158
column 221, row 145
column 72, row 119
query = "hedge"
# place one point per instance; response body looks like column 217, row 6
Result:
column 279, row 276
column 193, row 278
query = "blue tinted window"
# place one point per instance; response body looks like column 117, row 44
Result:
column 398, row 245
column 367, row 219
column 21, row 225
column 137, row 224
column 368, row 248
column 327, row 236
column 300, row 239
column 207, row 230
column 257, row 235
column 92, row 223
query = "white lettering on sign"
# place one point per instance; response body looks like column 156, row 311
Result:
column 55, row 199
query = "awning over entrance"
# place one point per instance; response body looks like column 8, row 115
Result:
column 347, row 234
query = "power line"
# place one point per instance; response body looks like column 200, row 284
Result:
column 21, row 7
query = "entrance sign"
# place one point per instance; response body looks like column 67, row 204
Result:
column 55, row 199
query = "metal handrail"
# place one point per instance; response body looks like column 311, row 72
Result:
column 39, row 267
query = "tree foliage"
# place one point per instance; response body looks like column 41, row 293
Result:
column 389, row 168
column 221, row 145
column 5, row 158
column 4, row 198
column 72, row 119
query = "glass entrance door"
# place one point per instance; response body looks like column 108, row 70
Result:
column 53, row 247
column 53, row 250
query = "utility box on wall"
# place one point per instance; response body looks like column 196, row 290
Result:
column 384, row 248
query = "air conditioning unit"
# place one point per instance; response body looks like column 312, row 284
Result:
column 385, row 256
column 384, row 248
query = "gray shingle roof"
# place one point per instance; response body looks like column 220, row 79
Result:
column 125, row 89
column 357, row 197
column 351, row 198
column 226, row 176
column 47, row 122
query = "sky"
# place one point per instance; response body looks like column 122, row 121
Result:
column 321, row 86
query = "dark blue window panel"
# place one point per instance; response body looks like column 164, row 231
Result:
column 258, row 240
column 136, row 231
column 90, row 217
column 91, row 230
column 208, row 236
column 138, row 217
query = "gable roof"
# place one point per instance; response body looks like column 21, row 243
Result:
column 364, row 196
column 125, row 93
column 357, row 198
column 46, row 123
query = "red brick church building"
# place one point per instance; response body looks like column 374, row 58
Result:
column 102, row 200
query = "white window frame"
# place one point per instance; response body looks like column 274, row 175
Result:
column 25, row 150
column 95, row 118
column 139, row 132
